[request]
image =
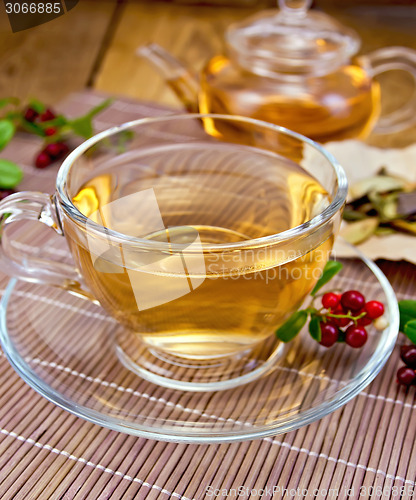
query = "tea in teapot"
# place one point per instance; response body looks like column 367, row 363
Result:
column 294, row 68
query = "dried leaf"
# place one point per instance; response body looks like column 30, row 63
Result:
column 404, row 225
column 358, row 202
column 384, row 231
column 385, row 204
column 353, row 215
column 406, row 203
column 357, row 232
column 377, row 184
column 384, row 172
column 369, row 209
column 387, row 198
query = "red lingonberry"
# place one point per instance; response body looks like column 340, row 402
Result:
column 374, row 309
column 365, row 320
column 329, row 334
column 330, row 300
column 47, row 115
column 43, row 160
column 50, row 131
column 4, row 193
column 64, row 149
column 56, row 150
column 30, row 114
column 406, row 376
column 356, row 336
column 353, row 300
column 408, row 355
column 53, row 149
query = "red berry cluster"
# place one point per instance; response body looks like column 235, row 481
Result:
column 54, row 150
column 350, row 311
column 31, row 115
column 50, row 153
column 406, row 375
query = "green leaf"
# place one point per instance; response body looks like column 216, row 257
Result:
column 33, row 128
column 410, row 330
column 10, row 174
column 100, row 107
column 408, row 307
column 7, row 130
column 82, row 126
column 123, row 138
column 404, row 319
column 315, row 328
column 13, row 115
column 330, row 270
column 407, row 310
column 292, row 326
column 37, row 105
column 9, row 100
column 59, row 121
column 341, row 336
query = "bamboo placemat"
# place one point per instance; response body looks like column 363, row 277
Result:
column 46, row 452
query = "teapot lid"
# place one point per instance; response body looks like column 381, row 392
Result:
column 293, row 41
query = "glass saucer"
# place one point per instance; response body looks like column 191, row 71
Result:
column 64, row 348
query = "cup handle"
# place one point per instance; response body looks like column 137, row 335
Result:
column 387, row 59
column 40, row 207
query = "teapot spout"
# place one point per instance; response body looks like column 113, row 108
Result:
column 182, row 81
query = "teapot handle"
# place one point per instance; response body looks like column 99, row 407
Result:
column 388, row 59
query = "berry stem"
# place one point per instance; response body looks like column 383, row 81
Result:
column 349, row 316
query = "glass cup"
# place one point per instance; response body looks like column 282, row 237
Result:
column 200, row 234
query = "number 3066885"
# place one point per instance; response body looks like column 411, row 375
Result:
column 34, row 8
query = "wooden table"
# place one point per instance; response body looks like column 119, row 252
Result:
column 94, row 46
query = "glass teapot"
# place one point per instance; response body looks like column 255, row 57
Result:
column 293, row 67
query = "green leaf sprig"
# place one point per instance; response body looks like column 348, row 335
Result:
column 10, row 173
column 83, row 126
column 407, row 310
column 51, row 128
column 292, row 326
